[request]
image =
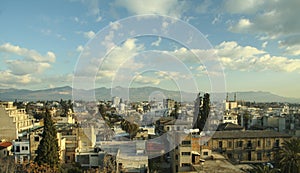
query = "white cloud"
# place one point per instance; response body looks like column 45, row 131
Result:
column 89, row 34
column 264, row 45
column 157, row 42
column 244, row 25
column 99, row 18
column 79, row 48
column 115, row 25
column 233, row 56
column 119, row 58
column 203, row 7
column 274, row 19
column 217, row 19
column 245, row 6
column 11, row 80
column 19, row 67
column 30, row 55
column 122, row 56
column 146, row 80
column 247, row 58
column 174, row 8
column 293, row 50
column 23, row 66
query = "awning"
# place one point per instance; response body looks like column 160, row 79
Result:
column 195, row 153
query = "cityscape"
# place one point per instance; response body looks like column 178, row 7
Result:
column 134, row 86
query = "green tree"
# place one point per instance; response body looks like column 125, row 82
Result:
column 130, row 128
column 174, row 113
column 202, row 109
column 290, row 156
column 264, row 169
column 47, row 152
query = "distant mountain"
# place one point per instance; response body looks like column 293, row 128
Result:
column 133, row 94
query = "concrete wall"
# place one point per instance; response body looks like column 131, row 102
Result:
column 8, row 129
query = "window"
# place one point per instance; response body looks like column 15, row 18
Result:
column 186, row 142
column 178, row 128
column 185, row 164
column 240, row 144
column 276, row 143
column 259, row 156
column 249, row 144
column 24, row 147
column 229, row 144
column 17, row 148
column 185, row 153
column 36, row 139
column 268, row 143
column 220, row 144
column 25, row 159
column 205, row 153
column 176, row 157
column 168, row 128
column 258, row 143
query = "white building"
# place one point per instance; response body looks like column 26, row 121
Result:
column 230, row 117
column 13, row 121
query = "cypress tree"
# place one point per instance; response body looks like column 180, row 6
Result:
column 201, row 111
column 47, row 152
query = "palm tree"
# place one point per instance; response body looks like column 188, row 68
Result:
column 264, row 169
column 290, row 156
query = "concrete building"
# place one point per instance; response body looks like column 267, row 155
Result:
column 116, row 101
column 5, row 149
column 183, row 155
column 230, row 117
column 90, row 157
column 252, row 146
column 24, row 148
column 13, row 121
column 231, row 104
column 169, row 103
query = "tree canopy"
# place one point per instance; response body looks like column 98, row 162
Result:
column 47, row 152
column 201, row 111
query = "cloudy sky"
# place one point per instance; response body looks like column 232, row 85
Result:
column 232, row 45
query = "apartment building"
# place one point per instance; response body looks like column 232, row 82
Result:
column 252, row 146
column 13, row 121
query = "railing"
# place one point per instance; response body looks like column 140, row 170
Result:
column 250, row 147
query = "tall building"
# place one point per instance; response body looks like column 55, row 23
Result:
column 13, row 121
column 116, row 101
column 231, row 104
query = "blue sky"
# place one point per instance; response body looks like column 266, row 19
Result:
column 257, row 43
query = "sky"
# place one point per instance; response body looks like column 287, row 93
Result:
column 192, row 45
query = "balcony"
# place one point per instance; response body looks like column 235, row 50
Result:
column 220, row 149
column 250, row 147
column 276, row 147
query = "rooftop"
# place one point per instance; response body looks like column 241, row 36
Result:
column 4, row 145
column 248, row 134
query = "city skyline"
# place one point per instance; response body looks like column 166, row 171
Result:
column 257, row 44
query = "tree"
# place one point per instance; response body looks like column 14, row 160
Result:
column 290, row 156
column 174, row 113
column 202, row 109
column 47, row 152
column 264, row 169
column 130, row 128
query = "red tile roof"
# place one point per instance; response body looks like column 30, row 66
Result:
column 5, row 144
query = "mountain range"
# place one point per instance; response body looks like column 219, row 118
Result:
column 132, row 94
